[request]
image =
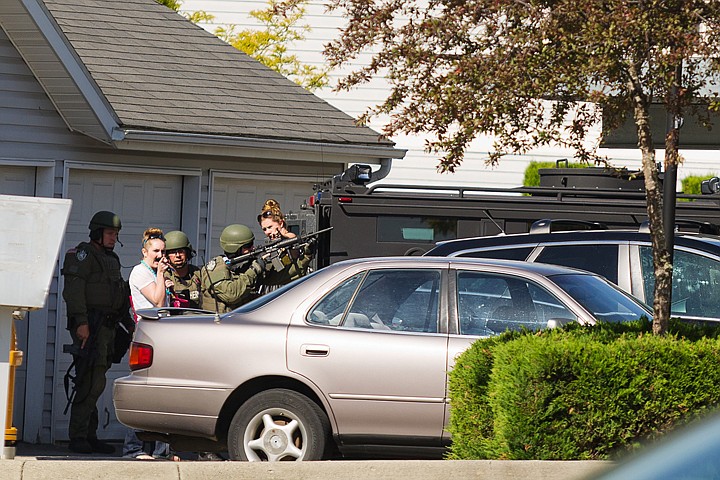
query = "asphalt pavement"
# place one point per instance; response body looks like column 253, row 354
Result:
column 51, row 462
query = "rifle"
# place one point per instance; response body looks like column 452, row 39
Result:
column 83, row 359
column 275, row 249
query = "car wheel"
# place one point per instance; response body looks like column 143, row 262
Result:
column 278, row 425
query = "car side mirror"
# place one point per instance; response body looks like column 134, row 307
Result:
column 558, row 322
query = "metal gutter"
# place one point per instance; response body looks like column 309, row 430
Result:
column 203, row 144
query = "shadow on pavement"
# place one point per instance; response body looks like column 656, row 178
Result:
column 60, row 452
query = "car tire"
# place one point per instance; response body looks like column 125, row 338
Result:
column 279, row 425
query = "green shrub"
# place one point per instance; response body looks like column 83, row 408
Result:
column 532, row 176
column 581, row 392
column 691, row 183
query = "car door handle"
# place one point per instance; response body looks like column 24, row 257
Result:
column 314, row 350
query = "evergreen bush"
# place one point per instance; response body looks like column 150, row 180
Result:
column 580, row 392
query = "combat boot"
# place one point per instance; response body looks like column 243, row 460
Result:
column 99, row 446
column 80, row 445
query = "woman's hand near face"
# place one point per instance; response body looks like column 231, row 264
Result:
column 285, row 233
column 162, row 266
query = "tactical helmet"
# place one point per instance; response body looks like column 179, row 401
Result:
column 176, row 240
column 104, row 219
column 234, row 237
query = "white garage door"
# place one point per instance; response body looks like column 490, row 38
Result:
column 239, row 200
column 19, row 181
column 142, row 201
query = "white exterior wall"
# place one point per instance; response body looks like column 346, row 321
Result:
column 417, row 167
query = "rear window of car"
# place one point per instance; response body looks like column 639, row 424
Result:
column 262, row 300
column 601, row 259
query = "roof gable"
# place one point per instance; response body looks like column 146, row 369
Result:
column 157, row 71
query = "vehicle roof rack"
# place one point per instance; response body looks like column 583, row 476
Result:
column 547, row 225
column 702, row 227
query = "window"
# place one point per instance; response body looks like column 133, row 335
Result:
column 601, row 259
column 695, row 284
column 330, row 310
column 489, row 304
column 605, row 301
column 520, row 253
column 399, row 300
column 415, row 229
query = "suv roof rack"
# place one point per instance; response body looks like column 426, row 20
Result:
column 702, row 227
column 547, row 225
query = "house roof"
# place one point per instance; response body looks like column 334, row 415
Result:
column 142, row 67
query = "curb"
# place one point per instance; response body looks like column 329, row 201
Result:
column 327, row 470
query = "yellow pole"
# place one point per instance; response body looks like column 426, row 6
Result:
column 16, row 357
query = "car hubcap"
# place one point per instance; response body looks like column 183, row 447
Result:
column 274, row 435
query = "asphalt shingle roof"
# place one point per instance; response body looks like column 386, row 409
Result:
column 161, row 72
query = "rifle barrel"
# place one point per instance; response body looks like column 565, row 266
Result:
column 276, row 245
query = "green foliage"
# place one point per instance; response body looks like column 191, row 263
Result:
column 270, row 45
column 195, row 17
column 471, row 419
column 580, row 392
column 532, row 176
column 691, row 183
column 483, row 67
column 172, row 4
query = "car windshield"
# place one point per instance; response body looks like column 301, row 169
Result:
column 604, row 301
column 264, row 299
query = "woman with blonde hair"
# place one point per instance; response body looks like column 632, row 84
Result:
column 292, row 262
column 148, row 286
column 149, row 289
column 272, row 221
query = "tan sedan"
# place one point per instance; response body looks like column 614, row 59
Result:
column 352, row 359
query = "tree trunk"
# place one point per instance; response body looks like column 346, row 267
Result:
column 661, row 259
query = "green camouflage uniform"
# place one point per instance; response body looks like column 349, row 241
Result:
column 96, row 295
column 290, row 265
column 224, row 290
column 187, row 287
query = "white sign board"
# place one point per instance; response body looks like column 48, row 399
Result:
column 31, row 232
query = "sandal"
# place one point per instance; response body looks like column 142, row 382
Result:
column 144, row 456
column 170, row 458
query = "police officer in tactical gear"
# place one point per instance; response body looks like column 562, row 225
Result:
column 185, row 276
column 97, row 301
column 225, row 288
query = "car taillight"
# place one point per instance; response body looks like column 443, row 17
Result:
column 141, row 356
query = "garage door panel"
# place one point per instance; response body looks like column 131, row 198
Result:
column 160, row 195
column 240, row 200
column 133, row 198
column 17, row 180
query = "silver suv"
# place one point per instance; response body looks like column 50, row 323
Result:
column 624, row 257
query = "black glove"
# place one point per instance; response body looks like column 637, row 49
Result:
column 311, row 247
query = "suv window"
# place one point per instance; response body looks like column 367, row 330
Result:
column 520, row 253
column 601, row 259
column 489, row 304
column 695, row 284
column 415, row 229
